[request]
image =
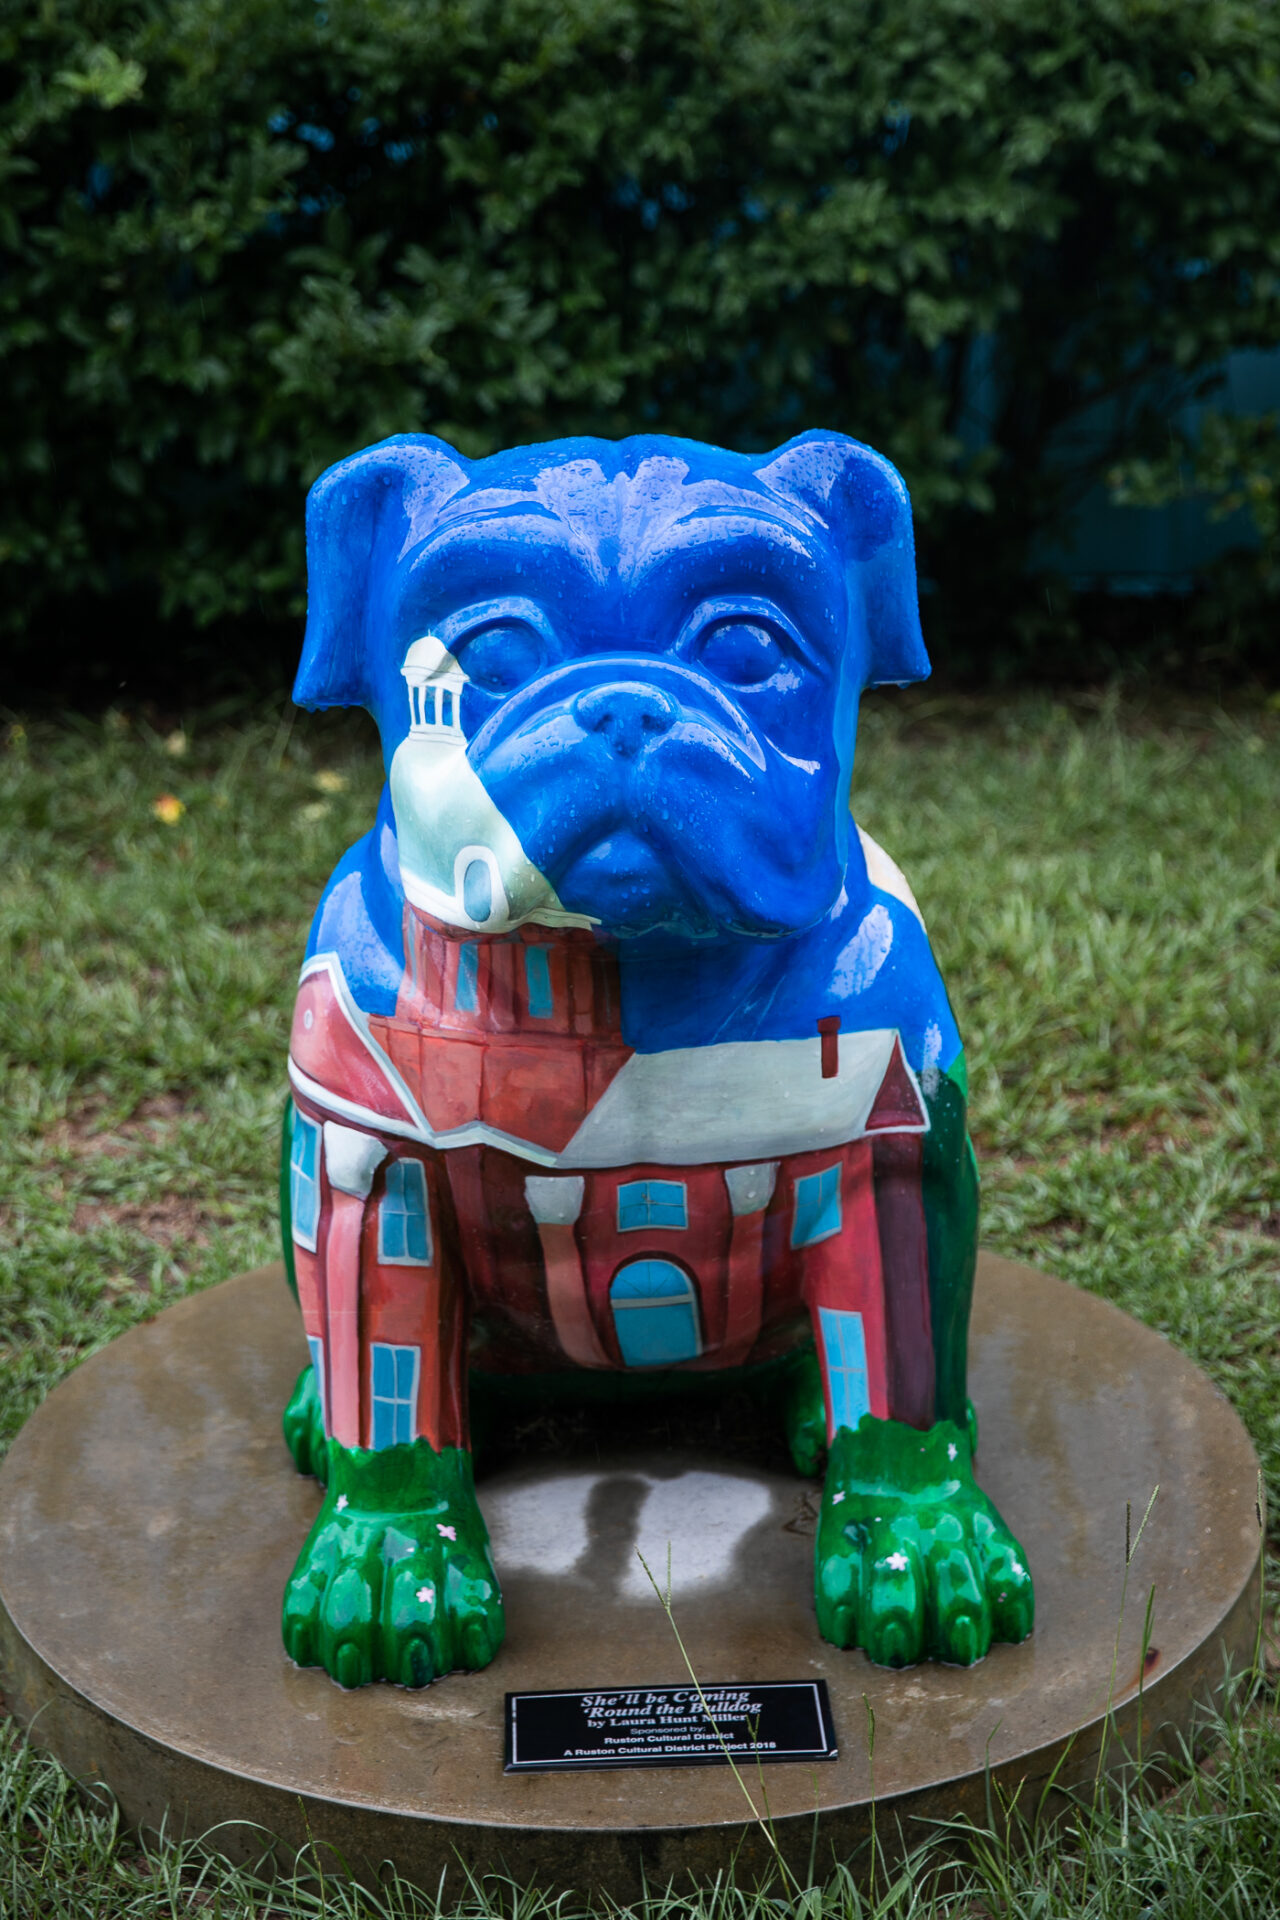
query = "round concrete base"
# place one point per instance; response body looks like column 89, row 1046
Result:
column 149, row 1516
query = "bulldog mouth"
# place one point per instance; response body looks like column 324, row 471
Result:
column 634, row 882
column 625, row 873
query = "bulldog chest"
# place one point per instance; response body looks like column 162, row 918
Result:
column 578, row 1204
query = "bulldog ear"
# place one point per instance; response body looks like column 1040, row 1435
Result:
column 862, row 501
column 361, row 513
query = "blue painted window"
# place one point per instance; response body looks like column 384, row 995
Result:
column 655, row 1314
column 477, row 889
column 817, row 1214
column 395, row 1393
column 537, row 980
column 651, row 1203
column 316, row 1345
column 304, row 1180
column 466, row 992
column 404, row 1220
column 844, row 1348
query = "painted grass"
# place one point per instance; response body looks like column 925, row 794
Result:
column 1100, row 881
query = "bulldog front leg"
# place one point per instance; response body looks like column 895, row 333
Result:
column 913, row 1560
column 395, row 1580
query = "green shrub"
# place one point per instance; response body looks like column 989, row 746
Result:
column 238, row 241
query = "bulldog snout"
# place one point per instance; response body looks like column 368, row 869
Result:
column 628, row 713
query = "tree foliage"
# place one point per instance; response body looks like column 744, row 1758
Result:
column 238, row 241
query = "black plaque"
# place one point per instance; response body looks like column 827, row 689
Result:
column 669, row 1726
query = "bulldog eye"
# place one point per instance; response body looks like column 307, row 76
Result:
column 501, row 657
column 741, row 652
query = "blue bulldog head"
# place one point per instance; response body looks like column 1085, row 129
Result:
column 616, row 682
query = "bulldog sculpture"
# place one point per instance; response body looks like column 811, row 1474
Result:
column 618, row 1047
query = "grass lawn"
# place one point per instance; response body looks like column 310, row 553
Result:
column 1100, row 883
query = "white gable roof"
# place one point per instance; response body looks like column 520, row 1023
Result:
column 745, row 1100
column 742, row 1100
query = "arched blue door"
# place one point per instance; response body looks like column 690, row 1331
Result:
column 655, row 1313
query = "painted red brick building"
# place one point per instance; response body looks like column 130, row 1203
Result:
column 698, row 1208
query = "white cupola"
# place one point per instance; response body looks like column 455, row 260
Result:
column 435, row 682
column 461, row 860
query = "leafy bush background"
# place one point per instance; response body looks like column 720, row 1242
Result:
column 238, row 241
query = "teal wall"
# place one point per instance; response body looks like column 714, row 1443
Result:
column 1165, row 549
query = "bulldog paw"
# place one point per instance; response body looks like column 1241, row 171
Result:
column 395, row 1581
column 913, row 1560
column 304, row 1427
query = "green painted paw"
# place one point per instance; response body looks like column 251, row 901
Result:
column 913, row 1560
column 304, row 1427
column 395, row 1581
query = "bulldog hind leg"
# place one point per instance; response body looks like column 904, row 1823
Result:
column 804, row 1415
column 395, row 1580
column 303, row 1424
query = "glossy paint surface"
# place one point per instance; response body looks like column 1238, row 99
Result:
column 912, row 1558
column 618, row 1046
column 657, row 651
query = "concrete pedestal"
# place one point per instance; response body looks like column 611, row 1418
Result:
column 149, row 1516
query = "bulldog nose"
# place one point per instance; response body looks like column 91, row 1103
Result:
column 628, row 713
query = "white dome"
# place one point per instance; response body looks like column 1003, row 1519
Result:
column 429, row 659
